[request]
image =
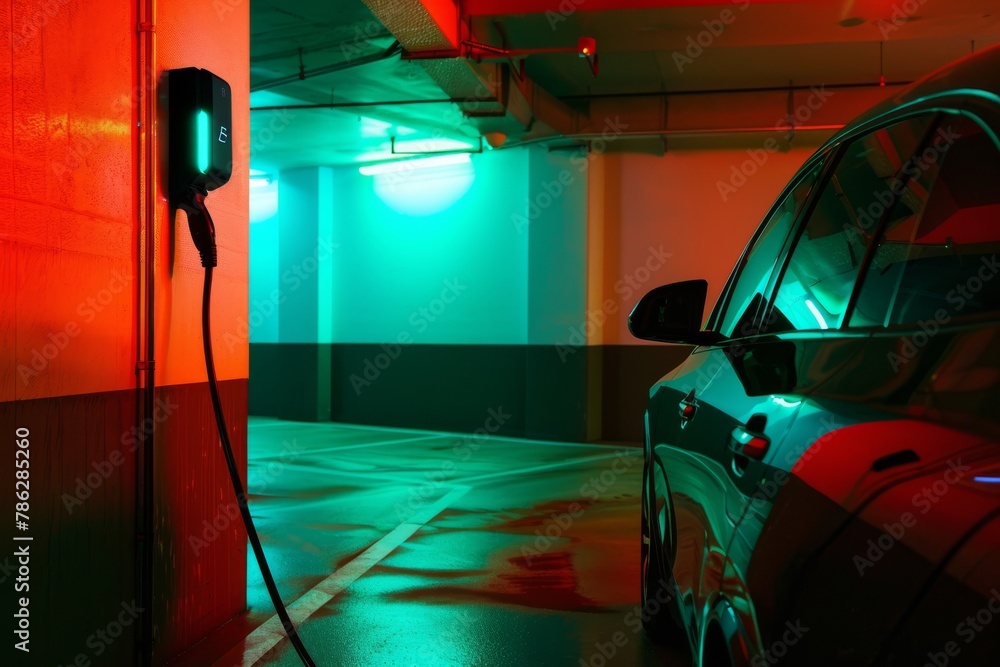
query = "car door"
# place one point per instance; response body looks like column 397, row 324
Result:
column 704, row 424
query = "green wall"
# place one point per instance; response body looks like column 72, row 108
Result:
column 446, row 292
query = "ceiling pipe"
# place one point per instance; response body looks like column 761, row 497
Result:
column 394, row 49
column 352, row 105
column 661, row 134
column 450, row 151
column 335, row 46
column 597, row 96
column 724, row 91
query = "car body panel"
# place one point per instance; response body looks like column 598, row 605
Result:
column 708, row 495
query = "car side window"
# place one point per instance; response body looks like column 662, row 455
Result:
column 747, row 292
column 937, row 261
column 814, row 291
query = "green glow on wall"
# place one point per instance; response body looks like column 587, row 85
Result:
column 433, row 256
column 424, row 191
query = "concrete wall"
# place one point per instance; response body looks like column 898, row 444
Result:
column 551, row 249
column 456, row 270
column 659, row 219
column 69, row 336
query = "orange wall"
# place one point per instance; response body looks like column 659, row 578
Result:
column 673, row 202
column 69, row 272
column 214, row 36
column 67, row 187
column 69, row 190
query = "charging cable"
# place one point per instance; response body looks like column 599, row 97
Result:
column 203, row 233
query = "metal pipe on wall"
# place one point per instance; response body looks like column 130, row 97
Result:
column 145, row 350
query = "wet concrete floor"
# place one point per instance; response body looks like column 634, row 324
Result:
column 396, row 547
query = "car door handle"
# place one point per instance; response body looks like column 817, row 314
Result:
column 687, row 407
column 747, row 443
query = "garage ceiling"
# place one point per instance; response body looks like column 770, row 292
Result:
column 644, row 47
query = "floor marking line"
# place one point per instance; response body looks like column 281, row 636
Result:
column 367, row 474
column 256, row 645
column 466, row 480
column 360, row 445
column 462, row 480
column 451, row 434
column 550, row 466
column 259, row 423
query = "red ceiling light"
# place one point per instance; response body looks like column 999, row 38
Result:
column 586, row 47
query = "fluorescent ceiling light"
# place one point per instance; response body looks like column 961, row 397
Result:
column 402, row 166
column 432, row 145
column 373, row 127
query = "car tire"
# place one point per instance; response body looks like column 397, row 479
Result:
column 660, row 619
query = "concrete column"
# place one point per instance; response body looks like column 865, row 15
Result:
column 558, row 357
column 302, row 381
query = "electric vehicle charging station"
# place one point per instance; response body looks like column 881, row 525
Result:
column 200, row 159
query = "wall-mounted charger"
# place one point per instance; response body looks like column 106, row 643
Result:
column 200, row 148
column 200, row 126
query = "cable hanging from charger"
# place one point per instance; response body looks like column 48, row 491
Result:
column 203, row 233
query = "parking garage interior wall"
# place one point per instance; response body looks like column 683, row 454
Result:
column 508, row 285
column 451, row 286
column 70, row 239
column 682, row 215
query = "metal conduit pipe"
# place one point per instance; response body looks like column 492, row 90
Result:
column 145, row 199
column 394, row 49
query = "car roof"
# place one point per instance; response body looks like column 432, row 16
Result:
column 979, row 72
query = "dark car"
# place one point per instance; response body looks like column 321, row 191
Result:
column 822, row 474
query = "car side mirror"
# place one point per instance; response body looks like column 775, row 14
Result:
column 672, row 314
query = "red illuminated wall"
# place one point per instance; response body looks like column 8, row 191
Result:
column 673, row 205
column 69, row 271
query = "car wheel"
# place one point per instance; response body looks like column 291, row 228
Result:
column 659, row 593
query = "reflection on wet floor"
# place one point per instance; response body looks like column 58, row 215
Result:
column 509, row 552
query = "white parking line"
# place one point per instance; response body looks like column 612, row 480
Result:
column 256, row 423
column 550, row 466
column 256, row 645
column 366, row 445
column 374, row 473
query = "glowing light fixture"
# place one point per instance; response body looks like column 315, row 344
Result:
column 778, row 400
column 430, row 145
column 402, row 166
column 815, row 311
column 202, row 139
column 259, row 178
column 988, row 480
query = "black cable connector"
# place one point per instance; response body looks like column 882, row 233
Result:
column 201, row 226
